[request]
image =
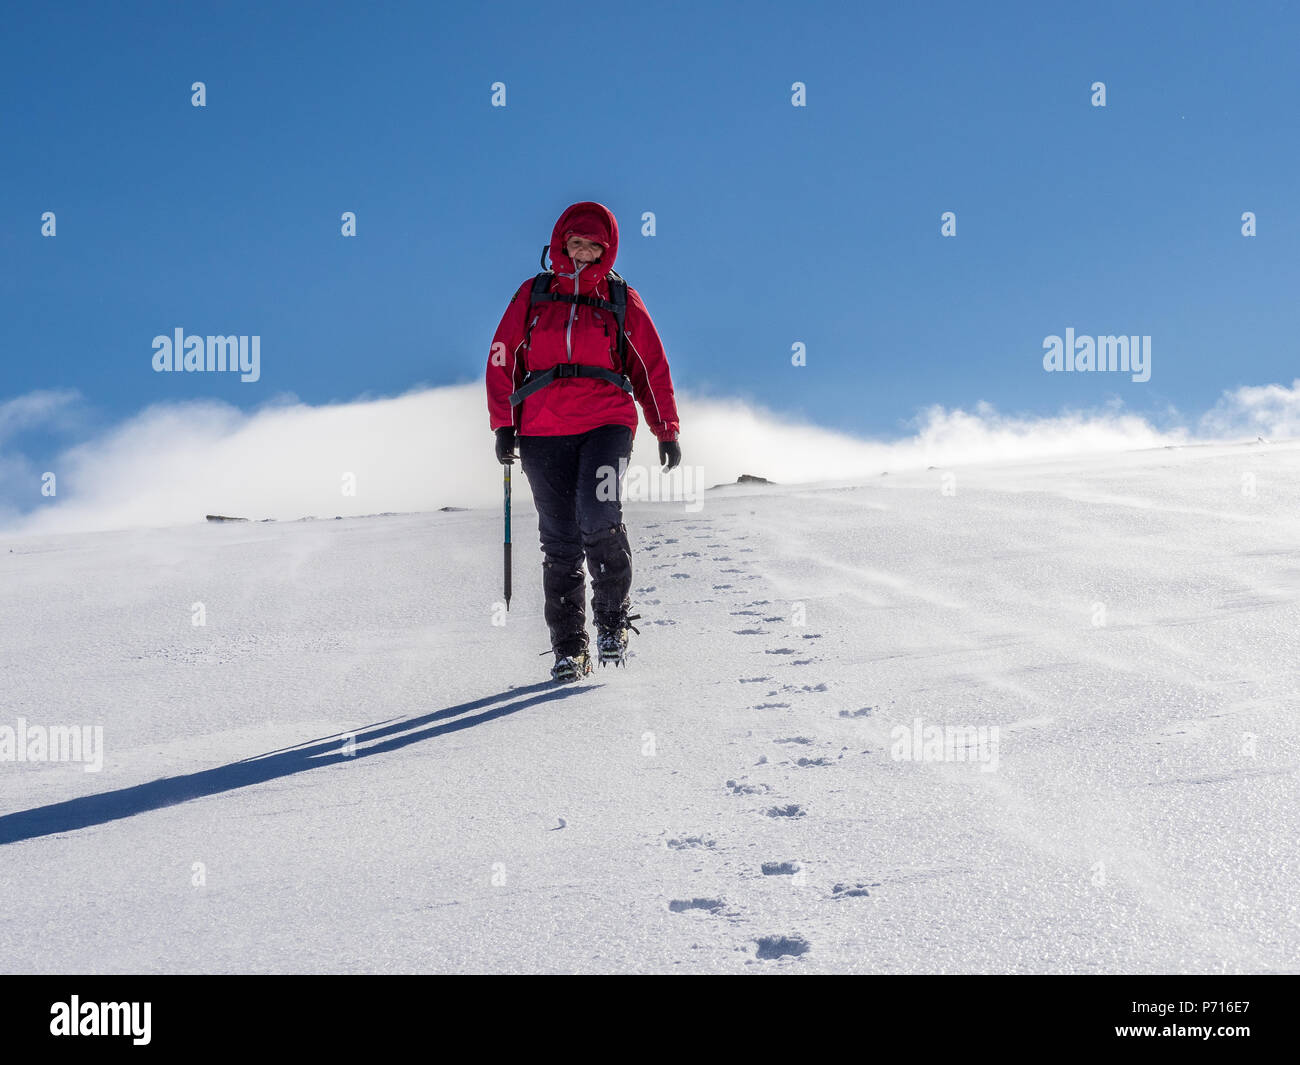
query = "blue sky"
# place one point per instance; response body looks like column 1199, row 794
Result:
column 776, row 224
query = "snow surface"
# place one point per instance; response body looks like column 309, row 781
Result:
column 729, row 802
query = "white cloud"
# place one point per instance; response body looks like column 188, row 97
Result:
column 1271, row 411
column 176, row 462
column 47, row 408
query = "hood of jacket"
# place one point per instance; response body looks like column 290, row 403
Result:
column 593, row 221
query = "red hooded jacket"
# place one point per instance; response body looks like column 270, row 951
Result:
column 571, row 332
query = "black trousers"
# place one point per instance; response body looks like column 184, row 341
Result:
column 577, row 486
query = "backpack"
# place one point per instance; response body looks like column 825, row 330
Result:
column 615, row 305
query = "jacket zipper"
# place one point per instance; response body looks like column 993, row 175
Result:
column 573, row 310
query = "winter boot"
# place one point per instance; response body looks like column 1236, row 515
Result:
column 570, row 667
column 611, row 638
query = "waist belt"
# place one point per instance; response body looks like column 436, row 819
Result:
column 534, row 381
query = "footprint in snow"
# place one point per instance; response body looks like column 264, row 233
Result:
column 751, row 632
column 771, row 706
column 792, row 810
column 857, row 713
column 719, row 587
column 848, row 891
column 756, row 680
column 781, row 868
column 781, row 946
column 645, row 591
column 744, row 613
column 748, row 789
column 682, row 905
column 686, row 842
column 679, row 576
column 804, row 763
column 802, row 661
column 793, row 739
column 779, row 651
column 721, row 558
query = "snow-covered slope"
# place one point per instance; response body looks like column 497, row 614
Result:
column 349, row 767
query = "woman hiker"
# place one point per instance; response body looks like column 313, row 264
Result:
column 560, row 379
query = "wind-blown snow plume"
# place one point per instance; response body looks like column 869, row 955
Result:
column 1271, row 411
column 176, row 462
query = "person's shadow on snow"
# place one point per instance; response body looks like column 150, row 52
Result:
column 375, row 739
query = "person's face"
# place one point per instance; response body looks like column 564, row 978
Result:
column 583, row 251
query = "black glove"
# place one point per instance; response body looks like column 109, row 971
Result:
column 506, row 445
column 671, row 453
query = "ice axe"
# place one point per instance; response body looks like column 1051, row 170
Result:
column 506, row 469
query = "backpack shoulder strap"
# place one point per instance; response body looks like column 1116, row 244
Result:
column 541, row 286
column 618, row 297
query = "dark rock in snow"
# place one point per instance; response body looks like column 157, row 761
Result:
column 744, row 478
